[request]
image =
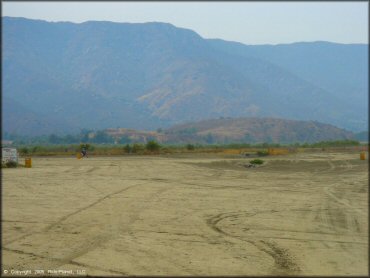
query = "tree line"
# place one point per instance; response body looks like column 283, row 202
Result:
column 101, row 137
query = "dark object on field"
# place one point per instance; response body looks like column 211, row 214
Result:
column 84, row 148
column 84, row 152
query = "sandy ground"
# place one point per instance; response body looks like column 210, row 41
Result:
column 299, row 214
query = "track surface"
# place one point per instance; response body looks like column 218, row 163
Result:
column 301, row 214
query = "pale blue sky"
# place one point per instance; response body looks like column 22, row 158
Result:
column 246, row 22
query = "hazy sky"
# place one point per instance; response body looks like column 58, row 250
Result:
column 246, row 22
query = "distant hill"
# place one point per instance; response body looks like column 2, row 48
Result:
column 362, row 136
column 239, row 130
column 338, row 68
column 258, row 130
column 341, row 70
column 98, row 75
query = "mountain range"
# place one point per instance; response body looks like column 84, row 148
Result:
column 59, row 77
column 237, row 130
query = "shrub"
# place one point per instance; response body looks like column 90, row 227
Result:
column 137, row 148
column 152, row 146
column 256, row 161
column 24, row 150
column 190, row 147
column 127, row 148
column 11, row 164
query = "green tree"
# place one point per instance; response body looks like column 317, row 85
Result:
column 24, row 151
column 127, row 148
column 152, row 146
column 137, row 148
column 190, row 147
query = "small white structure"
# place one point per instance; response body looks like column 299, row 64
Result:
column 9, row 154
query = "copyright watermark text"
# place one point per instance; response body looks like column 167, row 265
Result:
column 28, row 272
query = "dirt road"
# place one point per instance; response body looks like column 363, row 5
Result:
column 299, row 214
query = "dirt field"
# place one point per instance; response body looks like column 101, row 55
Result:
column 299, row 214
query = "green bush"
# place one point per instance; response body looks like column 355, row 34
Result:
column 127, row 148
column 256, row 161
column 152, row 146
column 24, row 151
column 190, row 147
column 137, row 148
column 11, row 164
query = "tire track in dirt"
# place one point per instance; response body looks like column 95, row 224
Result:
column 212, row 222
column 94, row 242
column 330, row 217
column 148, row 252
column 318, row 240
column 331, row 167
column 22, row 185
column 113, row 234
column 268, row 245
column 79, row 169
column 86, row 207
column 195, row 185
column 93, row 187
column 345, row 166
column 20, row 221
column 283, row 260
column 68, row 169
column 337, row 218
column 165, row 261
column 92, row 169
column 49, row 227
column 328, row 191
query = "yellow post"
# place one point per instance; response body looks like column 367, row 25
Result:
column 363, row 156
column 79, row 155
column 28, row 162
